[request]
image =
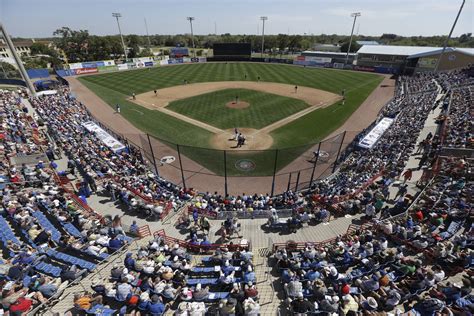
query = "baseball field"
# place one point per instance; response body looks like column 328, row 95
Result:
column 199, row 105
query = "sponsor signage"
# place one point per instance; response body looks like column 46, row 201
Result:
column 179, row 52
column 82, row 71
column 104, row 137
column 300, row 58
column 75, row 66
column 106, row 68
column 374, row 135
column 364, row 68
column 319, row 60
column 122, row 66
column 148, row 64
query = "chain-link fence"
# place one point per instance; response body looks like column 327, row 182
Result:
column 271, row 171
column 233, row 172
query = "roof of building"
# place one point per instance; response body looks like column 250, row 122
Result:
column 26, row 43
column 368, row 43
column 467, row 51
column 317, row 52
column 395, row 50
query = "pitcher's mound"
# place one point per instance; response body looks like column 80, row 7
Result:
column 254, row 140
column 237, row 105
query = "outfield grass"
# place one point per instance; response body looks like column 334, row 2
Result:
column 116, row 87
column 264, row 109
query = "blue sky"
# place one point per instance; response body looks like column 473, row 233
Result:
column 39, row 18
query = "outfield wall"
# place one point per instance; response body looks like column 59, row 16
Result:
column 304, row 61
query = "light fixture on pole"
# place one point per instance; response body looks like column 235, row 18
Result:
column 354, row 15
column 117, row 16
column 191, row 19
column 263, row 18
column 147, row 35
column 449, row 36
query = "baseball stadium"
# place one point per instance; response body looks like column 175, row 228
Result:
column 237, row 174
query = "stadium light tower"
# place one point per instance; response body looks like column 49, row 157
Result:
column 354, row 15
column 191, row 19
column 263, row 18
column 449, row 36
column 17, row 59
column 117, row 16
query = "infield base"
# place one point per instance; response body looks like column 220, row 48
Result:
column 254, row 140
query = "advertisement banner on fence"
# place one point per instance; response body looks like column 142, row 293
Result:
column 186, row 60
column 142, row 59
column 164, row 62
column 107, row 68
column 319, row 60
column 338, row 65
column 93, row 64
column 122, row 66
column 148, row 64
column 75, row 66
column 83, row 71
column 364, row 68
column 105, row 137
column 175, row 61
column 131, row 65
column 374, row 135
column 109, row 63
column 300, row 58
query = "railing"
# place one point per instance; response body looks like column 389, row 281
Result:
column 295, row 246
column 199, row 248
column 144, row 231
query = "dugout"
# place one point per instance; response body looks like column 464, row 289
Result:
column 232, row 51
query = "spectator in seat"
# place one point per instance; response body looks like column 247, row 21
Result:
column 300, row 305
column 156, row 306
column 134, row 229
column 86, row 301
column 200, row 293
column 115, row 243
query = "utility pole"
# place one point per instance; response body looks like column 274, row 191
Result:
column 354, row 15
column 215, row 28
column 147, row 35
column 263, row 18
column 191, row 19
column 449, row 36
column 117, row 16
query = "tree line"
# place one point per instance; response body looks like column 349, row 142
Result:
column 79, row 45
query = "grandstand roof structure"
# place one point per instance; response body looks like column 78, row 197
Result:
column 395, row 50
column 467, row 51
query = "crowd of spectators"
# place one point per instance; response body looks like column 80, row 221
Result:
column 163, row 275
column 415, row 263
column 47, row 240
column 124, row 174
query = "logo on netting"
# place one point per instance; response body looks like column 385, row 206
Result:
column 245, row 165
column 167, row 160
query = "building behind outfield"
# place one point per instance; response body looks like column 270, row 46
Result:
column 411, row 59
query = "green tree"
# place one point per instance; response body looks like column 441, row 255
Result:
column 354, row 47
column 41, row 49
column 8, row 71
column 75, row 44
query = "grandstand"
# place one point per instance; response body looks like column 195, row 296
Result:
column 89, row 227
